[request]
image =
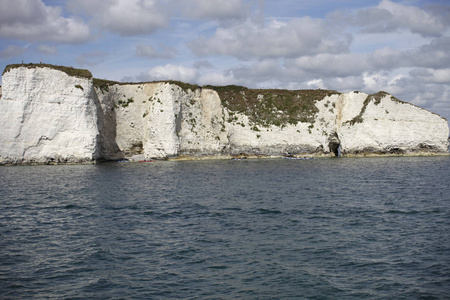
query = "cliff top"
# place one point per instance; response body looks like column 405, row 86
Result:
column 263, row 106
column 274, row 106
column 82, row 73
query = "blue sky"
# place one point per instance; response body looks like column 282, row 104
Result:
column 401, row 47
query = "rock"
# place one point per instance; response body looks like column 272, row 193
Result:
column 47, row 116
column 382, row 124
column 52, row 114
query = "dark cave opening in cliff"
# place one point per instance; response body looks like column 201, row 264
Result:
column 335, row 144
column 335, row 147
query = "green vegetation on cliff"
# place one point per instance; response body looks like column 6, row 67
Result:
column 82, row 73
column 104, row 84
column 184, row 86
column 267, row 107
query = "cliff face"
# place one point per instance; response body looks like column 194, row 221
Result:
column 163, row 120
column 48, row 115
column 382, row 124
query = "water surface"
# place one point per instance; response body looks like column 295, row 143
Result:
column 337, row 228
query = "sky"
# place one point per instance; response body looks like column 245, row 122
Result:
column 401, row 47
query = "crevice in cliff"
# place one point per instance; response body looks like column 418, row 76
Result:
column 107, row 125
column 178, row 122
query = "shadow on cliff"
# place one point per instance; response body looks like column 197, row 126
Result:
column 107, row 124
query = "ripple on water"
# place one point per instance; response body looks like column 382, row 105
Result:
column 264, row 229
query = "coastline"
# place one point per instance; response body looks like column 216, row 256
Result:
column 231, row 157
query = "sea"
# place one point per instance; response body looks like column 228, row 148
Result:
column 324, row 228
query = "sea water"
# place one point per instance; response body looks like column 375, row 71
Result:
column 330, row 228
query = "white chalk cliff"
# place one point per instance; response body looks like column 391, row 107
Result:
column 47, row 115
column 50, row 115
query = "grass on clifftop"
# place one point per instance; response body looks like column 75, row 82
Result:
column 104, row 84
column 272, row 106
column 82, row 73
column 184, row 86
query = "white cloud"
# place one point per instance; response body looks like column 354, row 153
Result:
column 215, row 78
column 259, row 73
column 203, row 64
column 251, row 40
column 125, row 17
column 12, row 51
column 47, row 49
column 170, row 72
column 436, row 54
column 184, row 74
column 389, row 16
column 90, row 59
column 440, row 76
column 315, row 83
column 148, row 51
column 215, row 9
column 32, row 20
column 384, row 58
column 413, row 18
column 332, row 65
column 345, row 84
